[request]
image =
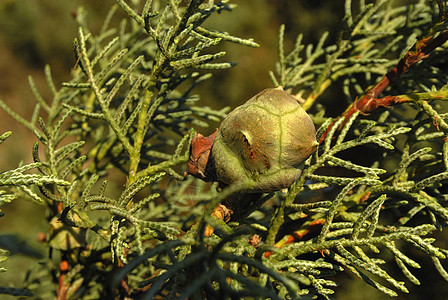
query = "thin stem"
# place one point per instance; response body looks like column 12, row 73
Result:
column 104, row 108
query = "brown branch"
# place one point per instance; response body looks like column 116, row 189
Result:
column 61, row 293
column 370, row 101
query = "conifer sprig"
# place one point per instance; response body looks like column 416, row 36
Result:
column 112, row 142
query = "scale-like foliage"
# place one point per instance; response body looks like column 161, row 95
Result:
column 128, row 107
column 24, row 184
column 114, row 140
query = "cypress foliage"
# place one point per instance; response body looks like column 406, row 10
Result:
column 128, row 113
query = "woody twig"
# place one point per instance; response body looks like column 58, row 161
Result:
column 370, row 101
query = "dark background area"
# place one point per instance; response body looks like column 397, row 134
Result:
column 38, row 32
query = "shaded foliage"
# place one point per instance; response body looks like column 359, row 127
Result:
column 128, row 111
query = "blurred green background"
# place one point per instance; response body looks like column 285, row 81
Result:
column 38, row 32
